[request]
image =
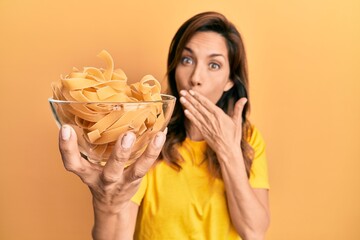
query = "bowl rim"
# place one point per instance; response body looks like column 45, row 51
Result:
column 170, row 98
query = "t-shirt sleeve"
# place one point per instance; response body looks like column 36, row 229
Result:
column 139, row 195
column 259, row 169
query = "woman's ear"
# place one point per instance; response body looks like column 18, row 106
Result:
column 228, row 85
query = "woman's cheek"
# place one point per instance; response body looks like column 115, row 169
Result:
column 181, row 82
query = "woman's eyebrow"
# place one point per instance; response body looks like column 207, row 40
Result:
column 217, row 55
column 210, row 56
column 188, row 49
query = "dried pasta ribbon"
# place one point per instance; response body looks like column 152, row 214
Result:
column 102, row 125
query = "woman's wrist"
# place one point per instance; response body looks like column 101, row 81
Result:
column 108, row 208
column 110, row 221
column 229, row 155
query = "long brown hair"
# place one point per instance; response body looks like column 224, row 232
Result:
column 203, row 22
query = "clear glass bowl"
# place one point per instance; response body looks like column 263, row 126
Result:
column 99, row 124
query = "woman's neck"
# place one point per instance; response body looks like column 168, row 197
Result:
column 193, row 132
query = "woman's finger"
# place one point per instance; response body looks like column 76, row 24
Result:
column 200, row 103
column 114, row 167
column 194, row 110
column 70, row 154
column 238, row 109
column 147, row 159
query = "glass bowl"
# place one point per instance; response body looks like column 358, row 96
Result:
column 99, row 124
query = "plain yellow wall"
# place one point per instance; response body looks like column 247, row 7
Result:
column 304, row 63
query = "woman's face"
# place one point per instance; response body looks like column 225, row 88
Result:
column 204, row 66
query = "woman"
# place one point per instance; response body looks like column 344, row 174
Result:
column 211, row 178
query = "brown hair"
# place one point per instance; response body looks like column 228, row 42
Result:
column 215, row 22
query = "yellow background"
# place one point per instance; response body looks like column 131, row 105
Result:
column 304, row 63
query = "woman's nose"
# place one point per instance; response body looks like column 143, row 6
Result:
column 196, row 79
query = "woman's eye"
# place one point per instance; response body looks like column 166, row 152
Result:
column 214, row 66
column 186, row 61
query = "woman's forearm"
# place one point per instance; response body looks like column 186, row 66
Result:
column 109, row 225
column 248, row 214
column 104, row 225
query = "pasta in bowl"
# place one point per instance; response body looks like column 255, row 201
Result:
column 100, row 106
column 99, row 124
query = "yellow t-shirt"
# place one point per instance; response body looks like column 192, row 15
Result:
column 190, row 203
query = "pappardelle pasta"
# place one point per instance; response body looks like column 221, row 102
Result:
column 102, row 123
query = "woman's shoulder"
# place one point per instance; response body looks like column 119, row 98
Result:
column 256, row 139
column 259, row 171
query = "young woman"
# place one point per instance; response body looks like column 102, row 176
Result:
column 210, row 181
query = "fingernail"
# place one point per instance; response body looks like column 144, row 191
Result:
column 192, row 92
column 65, row 132
column 182, row 100
column 245, row 101
column 183, row 92
column 127, row 140
column 159, row 139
